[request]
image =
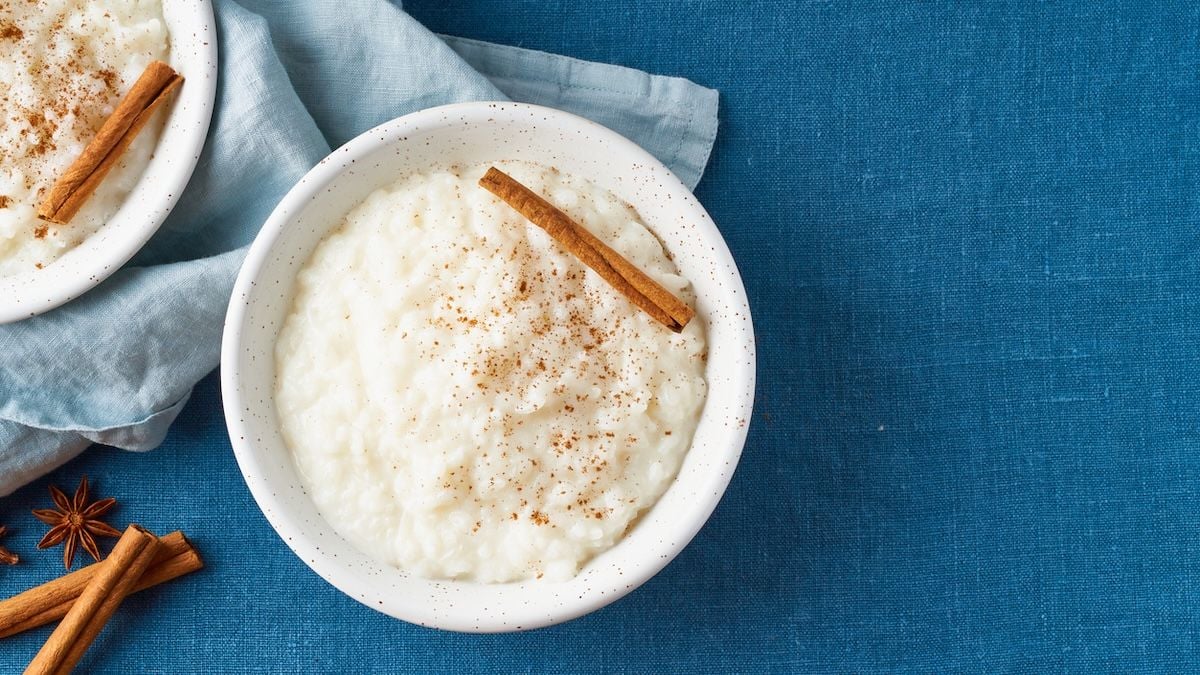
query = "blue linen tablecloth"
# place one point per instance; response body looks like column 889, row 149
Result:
column 968, row 235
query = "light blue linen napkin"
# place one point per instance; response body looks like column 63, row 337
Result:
column 297, row 79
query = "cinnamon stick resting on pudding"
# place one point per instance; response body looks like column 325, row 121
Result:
column 80, row 180
column 630, row 281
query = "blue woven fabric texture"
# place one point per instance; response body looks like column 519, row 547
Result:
column 969, row 237
column 296, row 79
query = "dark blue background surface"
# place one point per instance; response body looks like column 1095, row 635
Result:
column 969, row 240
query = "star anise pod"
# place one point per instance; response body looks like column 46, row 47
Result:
column 76, row 522
column 6, row 556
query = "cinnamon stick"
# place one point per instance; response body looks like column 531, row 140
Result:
column 81, row 178
column 623, row 275
column 129, row 559
column 51, row 601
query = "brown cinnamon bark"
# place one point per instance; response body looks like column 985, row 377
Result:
column 52, row 600
column 630, row 281
column 125, row 565
column 80, row 180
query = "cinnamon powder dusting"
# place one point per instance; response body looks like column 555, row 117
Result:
column 10, row 31
column 77, row 99
column 42, row 132
column 108, row 77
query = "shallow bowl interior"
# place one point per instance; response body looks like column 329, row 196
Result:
column 193, row 38
column 467, row 134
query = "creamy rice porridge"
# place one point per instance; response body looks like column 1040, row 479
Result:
column 465, row 399
column 64, row 65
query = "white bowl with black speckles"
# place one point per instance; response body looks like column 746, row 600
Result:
column 470, row 134
column 193, row 36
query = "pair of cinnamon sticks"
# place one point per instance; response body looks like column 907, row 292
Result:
column 86, row 598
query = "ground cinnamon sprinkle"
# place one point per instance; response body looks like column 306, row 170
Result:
column 43, row 130
column 10, row 31
column 82, row 96
column 109, row 78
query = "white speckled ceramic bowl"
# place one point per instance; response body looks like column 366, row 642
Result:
column 193, row 37
column 468, row 134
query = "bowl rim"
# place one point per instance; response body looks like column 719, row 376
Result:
column 252, row 464
column 29, row 294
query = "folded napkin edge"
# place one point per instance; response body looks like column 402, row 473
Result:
column 98, row 434
column 493, row 68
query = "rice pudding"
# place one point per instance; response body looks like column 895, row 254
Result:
column 464, row 399
column 65, row 65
